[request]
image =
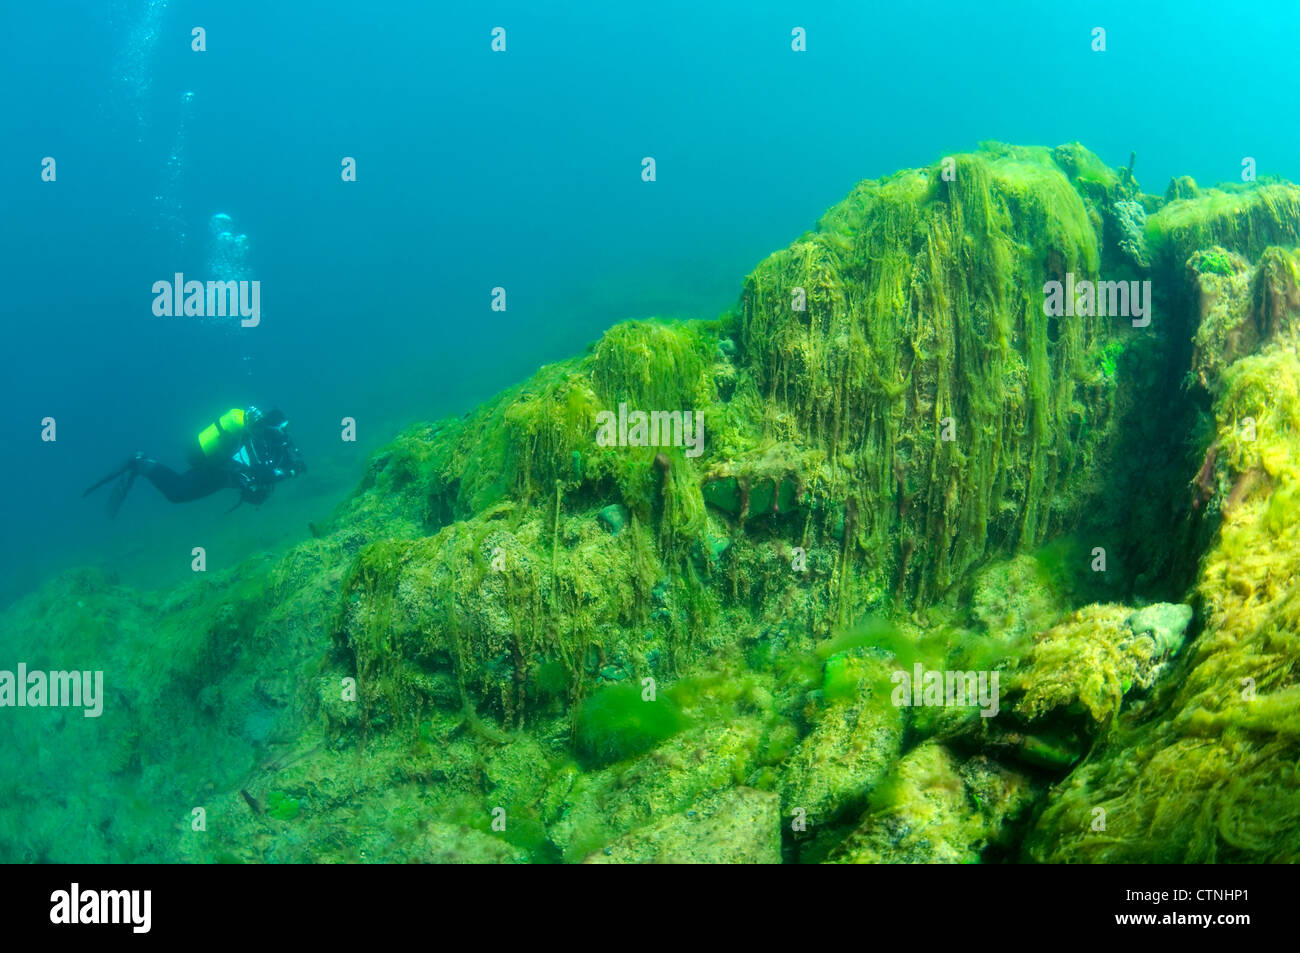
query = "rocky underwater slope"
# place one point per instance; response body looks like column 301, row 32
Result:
column 514, row 643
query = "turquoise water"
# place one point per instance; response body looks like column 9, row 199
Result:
column 479, row 170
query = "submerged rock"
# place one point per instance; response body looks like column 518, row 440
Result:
column 934, row 809
column 738, row 826
column 613, row 517
column 1131, row 220
column 852, row 745
column 1181, row 187
column 1093, row 658
column 1165, row 623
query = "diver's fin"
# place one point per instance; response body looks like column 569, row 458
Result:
column 119, row 493
column 112, row 476
column 128, row 465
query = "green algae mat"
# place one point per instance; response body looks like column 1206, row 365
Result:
column 968, row 535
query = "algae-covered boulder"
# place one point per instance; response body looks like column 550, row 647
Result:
column 448, row 844
column 1181, row 187
column 853, row 742
column 587, row 812
column 738, row 826
column 218, row 665
column 895, row 405
column 1089, row 661
column 934, row 809
column 1241, row 308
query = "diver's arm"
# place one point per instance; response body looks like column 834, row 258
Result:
column 253, row 485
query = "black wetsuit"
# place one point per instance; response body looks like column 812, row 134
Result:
column 264, row 457
column 194, row 484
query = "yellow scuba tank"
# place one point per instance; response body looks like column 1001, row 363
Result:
column 222, row 436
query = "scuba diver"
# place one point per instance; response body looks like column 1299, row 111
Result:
column 244, row 450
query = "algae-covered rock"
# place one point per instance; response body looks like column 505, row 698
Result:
column 938, row 432
column 738, row 826
column 891, row 400
column 484, row 605
column 852, row 744
column 892, row 444
column 590, row 811
column 770, row 482
column 1165, row 623
column 933, row 809
column 449, row 844
column 614, row 517
column 1015, row 598
column 1241, row 308
column 1130, row 221
column 1090, row 660
column 1181, row 187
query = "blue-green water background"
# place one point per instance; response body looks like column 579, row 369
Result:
column 476, row 170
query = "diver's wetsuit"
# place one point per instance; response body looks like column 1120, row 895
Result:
column 264, row 456
column 194, row 484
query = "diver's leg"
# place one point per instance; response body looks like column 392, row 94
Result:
column 193, row 484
